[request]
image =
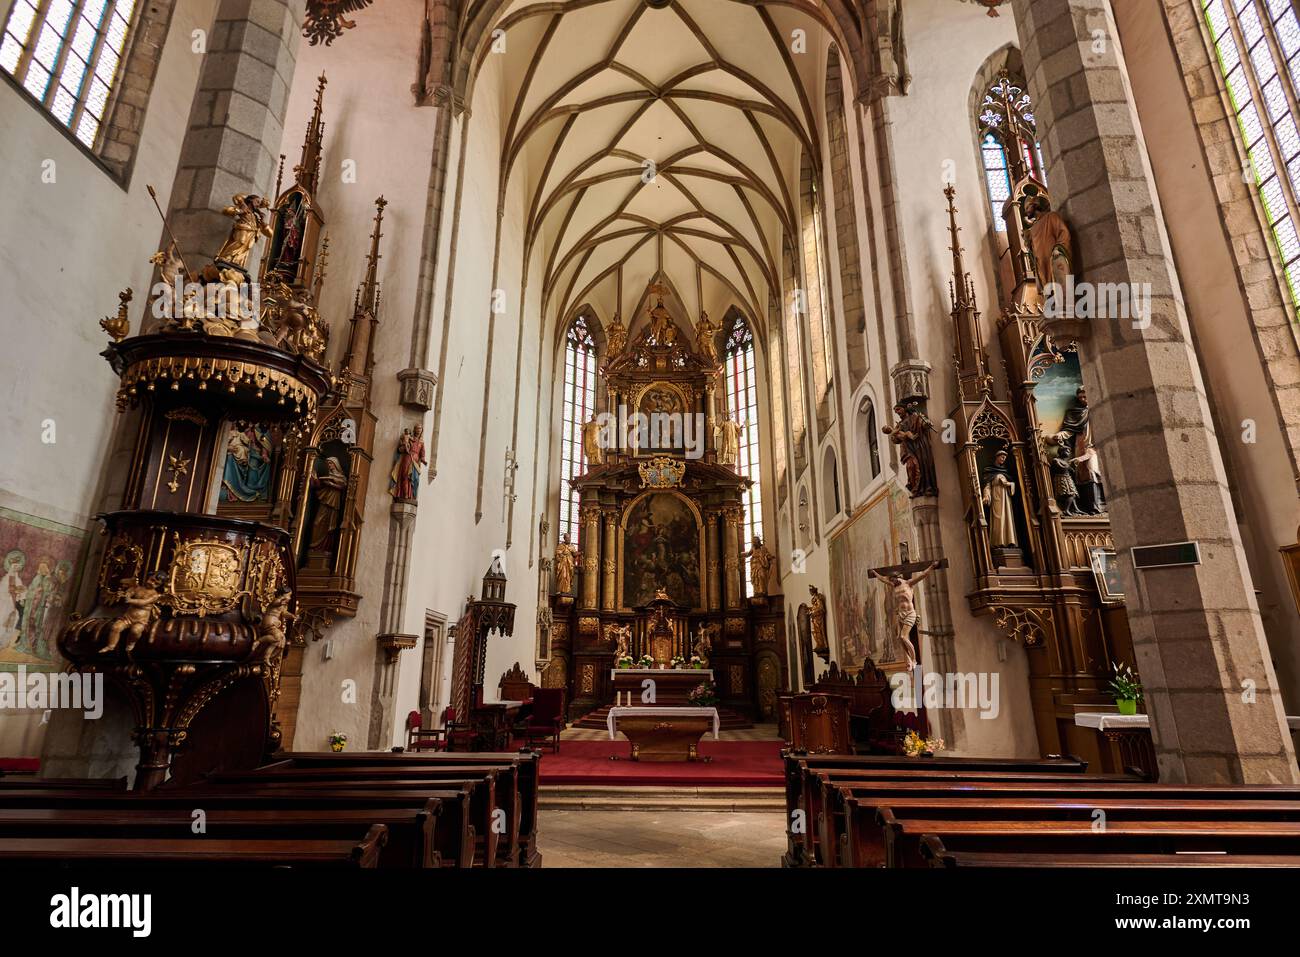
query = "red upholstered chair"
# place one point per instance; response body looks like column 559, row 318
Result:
column 457, row 735
column 419, row 738
column 547, row 718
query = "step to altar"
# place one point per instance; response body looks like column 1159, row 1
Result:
column 561, row 797
column 598, row 720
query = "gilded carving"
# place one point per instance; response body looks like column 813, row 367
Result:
column 204, row 578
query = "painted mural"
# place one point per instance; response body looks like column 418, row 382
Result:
column 40, row 570
column 862, row 606
column 661, row 549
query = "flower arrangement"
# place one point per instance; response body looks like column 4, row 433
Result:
column 645, row 661
column 624, row 662
column 916, row 746
column 677, row 662
column 703, row 695
column 695, row 662
column 1125, row 687
column 338, row 741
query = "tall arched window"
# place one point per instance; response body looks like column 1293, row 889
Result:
column 742, row 400
column 579, row 403
column 1263, row 88
column 66, row 54
column 1006, row 104
column 814, row 299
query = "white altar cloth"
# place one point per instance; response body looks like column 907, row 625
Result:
column 651, row 712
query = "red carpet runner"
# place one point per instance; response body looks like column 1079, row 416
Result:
column 734, row 764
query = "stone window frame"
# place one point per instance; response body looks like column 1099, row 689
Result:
column 740, row 360
column 117, row 141
column 572, row 456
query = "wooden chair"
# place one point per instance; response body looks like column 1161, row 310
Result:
column 457, row 735
column 547, row 718
column 420, row 738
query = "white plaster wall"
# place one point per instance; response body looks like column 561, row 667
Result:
column 69, row 246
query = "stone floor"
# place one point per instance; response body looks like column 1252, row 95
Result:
column 660, row 838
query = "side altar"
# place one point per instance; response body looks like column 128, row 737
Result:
column 657, row 572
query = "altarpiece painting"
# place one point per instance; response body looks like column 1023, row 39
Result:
column 661, row 549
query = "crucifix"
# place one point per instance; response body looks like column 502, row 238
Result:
column 902, row 580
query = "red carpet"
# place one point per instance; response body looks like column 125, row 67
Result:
column 734, row 764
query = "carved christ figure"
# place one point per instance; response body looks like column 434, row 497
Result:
column 903, row 589
column 760, row 566
column 566, row 560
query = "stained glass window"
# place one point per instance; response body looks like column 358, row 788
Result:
column 579, row 402
column 1257, row 43
column 66, row 54
column 1007, row 105
column 742, row 401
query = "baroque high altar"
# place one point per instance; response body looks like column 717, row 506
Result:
column 658, row 570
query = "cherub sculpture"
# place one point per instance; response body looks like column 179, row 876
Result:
column 141, row 602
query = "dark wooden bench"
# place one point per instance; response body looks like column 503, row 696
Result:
column 496, row 836
column 454, row 833
column 852, row 824
column 527, row 763
column 410, row 844
column 27, row 783
column 361, row 851
column 934, row 851
column 903, row 837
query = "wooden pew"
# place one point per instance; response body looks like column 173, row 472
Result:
column 903, row 838
column 361, row 851
column 527, row 762
column 934, row 851
column 853, row 824
column 27, row 783
column 410, row 844
column 801, row 794
column 495, row 787
column 454, row 833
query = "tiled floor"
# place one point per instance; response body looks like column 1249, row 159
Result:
column 660, row 838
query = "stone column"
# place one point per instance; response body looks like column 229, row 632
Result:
column 1216, row 715
column 401, row 527
column 936, row 616
column 232, row 144
column 607, row 560
column 731, row 556
column 713, row 580
column 590, row 556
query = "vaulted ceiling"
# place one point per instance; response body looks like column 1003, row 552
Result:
column 657, row 141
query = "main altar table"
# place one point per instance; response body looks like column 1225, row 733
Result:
column 672, row 686
column 663, row 734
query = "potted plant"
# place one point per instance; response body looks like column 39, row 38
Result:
column 677, row 662
column 645, row 661
column 1125, row 688
column 338, row 741
column 696, row 662
column 624, row 662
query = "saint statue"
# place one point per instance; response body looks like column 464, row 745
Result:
column 330, row 490
column 1049, row 241
column 566, row 560
column 704, row 640
column 1075, row 420
column 912, row 434
column 1064, row 488
column 1092, row 499
column 902, row 589
column 998, row 493
column 616, row 336
column 760, row 566
column 591, row 442
column 246, row 209
column 817, row 622
column 408, row 458
column 706, row 331
column 727, row 435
